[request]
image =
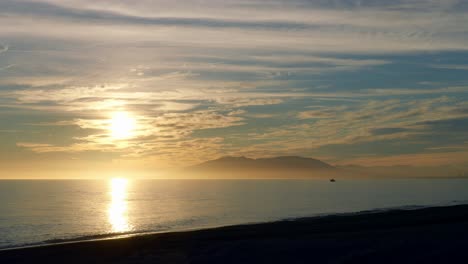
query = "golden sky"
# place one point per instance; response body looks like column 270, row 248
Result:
column 100, row 87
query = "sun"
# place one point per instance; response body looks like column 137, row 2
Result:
column 122, row 125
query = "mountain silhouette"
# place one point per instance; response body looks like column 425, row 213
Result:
column 275, row 163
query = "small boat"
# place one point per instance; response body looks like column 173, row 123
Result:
column 332, row 180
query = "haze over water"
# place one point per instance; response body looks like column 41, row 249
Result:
column 32, row 212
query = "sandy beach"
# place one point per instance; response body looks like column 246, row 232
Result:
column 429, row 235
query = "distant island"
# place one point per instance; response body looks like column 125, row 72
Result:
column 275, row 167
column 291, row 167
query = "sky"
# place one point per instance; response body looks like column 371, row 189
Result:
column 120, row 85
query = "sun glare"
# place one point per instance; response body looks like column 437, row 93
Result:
column 118, row 206
column 122, row 125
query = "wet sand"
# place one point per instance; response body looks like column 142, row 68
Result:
column 430, row 235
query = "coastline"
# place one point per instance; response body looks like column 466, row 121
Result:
column 430, row 235
column 112, row 236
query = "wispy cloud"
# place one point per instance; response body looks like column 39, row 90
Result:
column 259, row 78
column 3, row 48
column 451, row 67
column 369, row 122
column 365, row 28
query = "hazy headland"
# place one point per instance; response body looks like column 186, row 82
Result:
column 296, row 167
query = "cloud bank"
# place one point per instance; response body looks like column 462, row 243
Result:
column 356, row 81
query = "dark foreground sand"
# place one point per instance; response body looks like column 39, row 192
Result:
column 432, row 235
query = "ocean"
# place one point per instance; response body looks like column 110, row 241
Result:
column 36, row 212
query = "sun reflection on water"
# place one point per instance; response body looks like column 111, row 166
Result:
column 118, row 211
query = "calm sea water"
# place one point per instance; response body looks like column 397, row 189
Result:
column 35, row 212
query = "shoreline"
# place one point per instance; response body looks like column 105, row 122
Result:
column 415, row 235
column 110, row 236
